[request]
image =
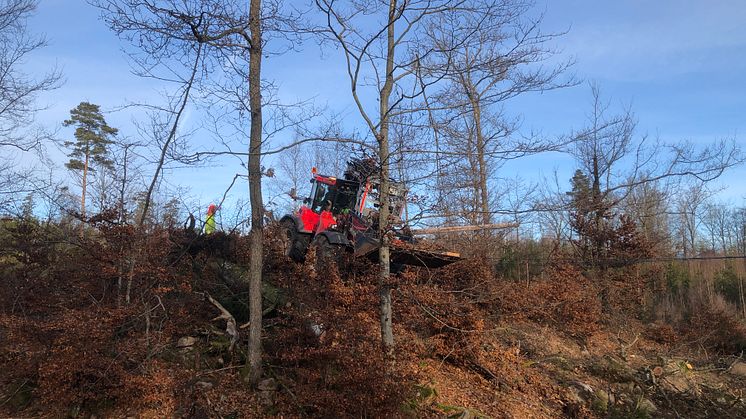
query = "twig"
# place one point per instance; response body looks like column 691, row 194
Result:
column 623, row 348
column 737, row 360
column 15, row 392
column 231, row 367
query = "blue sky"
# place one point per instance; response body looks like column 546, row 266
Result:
column 679, row 64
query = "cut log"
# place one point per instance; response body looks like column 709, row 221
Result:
column 458, row 229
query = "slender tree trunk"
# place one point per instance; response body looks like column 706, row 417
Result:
column 255, row 195
column 387, row 333
column 85, row 179
column 436, row 137
column 484, row 205
column 123, row 187
column 169, row 139
column 598, row 210
column 741, row 295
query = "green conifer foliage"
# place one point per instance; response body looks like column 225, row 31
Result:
column 92, row 138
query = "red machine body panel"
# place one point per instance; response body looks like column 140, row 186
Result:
column 308, row 218
column 326, row 220
column 313, row 222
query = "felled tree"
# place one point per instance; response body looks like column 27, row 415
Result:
column 90, row 148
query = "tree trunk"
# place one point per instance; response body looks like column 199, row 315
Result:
column 484, row 205
column 387, row 333
column 85, row 178
column 255, row 195
column 478, row 163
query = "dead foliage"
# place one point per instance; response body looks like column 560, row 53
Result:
column 70, row 346
column 326, row 346
column 565, row 300
column 714, row 326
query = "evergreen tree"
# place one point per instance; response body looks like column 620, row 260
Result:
column 590, row 216
column 27, row 207
column 580, row 194
column 90, row 148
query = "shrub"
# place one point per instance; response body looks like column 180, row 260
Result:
column 728, row 284
column 716, row 326
column 565, row 299
column 677, row 279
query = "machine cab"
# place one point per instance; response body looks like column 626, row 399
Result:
column 329, row 197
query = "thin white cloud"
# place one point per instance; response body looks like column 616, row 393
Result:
column 647, row 40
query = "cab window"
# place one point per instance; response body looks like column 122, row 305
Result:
column 321, row 195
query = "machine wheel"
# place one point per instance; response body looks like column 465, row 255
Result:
column 396, row 268
column 328, row 255
column 295, row 243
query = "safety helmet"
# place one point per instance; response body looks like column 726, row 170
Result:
column 211, row 209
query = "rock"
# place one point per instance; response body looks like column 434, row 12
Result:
column 739, row 368
column 600, row 401
column 203, row 385
column 602, row 396
column 574, row 396
column 680, row 383
column 583, row 386
column 426, row 395
column 267, row 385
column 266, row 390
column 647, row 406
column 186, row 342
column 613, row 369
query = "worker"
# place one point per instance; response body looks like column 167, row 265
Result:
column 210, row 222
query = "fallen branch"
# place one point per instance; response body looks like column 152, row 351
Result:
column 15, row 392
column 623, row 348
column 230, row 321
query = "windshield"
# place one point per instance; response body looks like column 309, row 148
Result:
column 345, row 199
column 321, row 194
column 334, row 198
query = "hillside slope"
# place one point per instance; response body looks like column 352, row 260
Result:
column 468, row 344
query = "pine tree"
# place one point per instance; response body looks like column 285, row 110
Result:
column 90, row 148
column 590, row 216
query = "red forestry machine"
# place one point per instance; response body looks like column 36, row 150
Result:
column 342, row 215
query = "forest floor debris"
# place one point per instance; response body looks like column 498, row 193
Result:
column 469, row 345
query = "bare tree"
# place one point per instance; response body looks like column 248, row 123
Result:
column 738, row 227
column 372, row 50
column 690, row 209
column 647, row 205
column 226, row 41
column 716, row 221
column 615, row 161
column 391, row 63
column 502, row 57
column 18, row 99
column 18, row 91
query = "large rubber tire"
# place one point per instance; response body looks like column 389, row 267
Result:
column 328, row 255
column 296, row 243
column 396, row 268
